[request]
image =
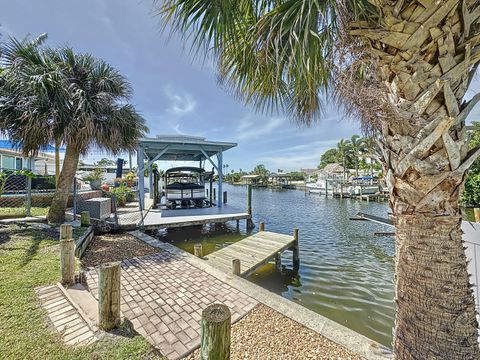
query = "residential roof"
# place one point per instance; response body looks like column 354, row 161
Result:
column 182, row 147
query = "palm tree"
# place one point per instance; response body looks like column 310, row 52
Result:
column 401, row 66
column 357, row 147
column 58, row 96
column 344, row 151
column 370, row 151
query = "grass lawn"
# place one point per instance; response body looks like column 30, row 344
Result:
column 28, row 259
column 8, row 213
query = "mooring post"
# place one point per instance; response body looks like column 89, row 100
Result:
column 476, row 212
column 262, row 226
column 236, row 267
column 109, row 296
column 214, row 193
column 198, row 250
column 224, row 197
column 85, row 218
column 215, row 333
column 67, row 255
column 278, row 262
column 250, row 224
column 295, row 250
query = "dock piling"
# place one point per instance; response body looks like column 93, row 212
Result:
column 109, row 296
column 225, row 197
column 476, row 212
column 250, row 224
column 67, row 255
column 215, row 334
column 85, row 218
column 278, row 262
column 198, row 250
column 262, row 226
column 295, row 250
column 236, row 267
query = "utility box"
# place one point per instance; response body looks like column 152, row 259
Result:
column 99, row 208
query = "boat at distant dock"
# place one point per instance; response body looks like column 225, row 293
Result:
column 318, row 187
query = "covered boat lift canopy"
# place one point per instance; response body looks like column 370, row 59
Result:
column 179, row 148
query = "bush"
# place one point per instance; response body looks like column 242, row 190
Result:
column 471, row 194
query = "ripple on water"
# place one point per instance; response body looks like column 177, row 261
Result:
column 346, row 273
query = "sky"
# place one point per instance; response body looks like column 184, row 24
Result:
column 174, row 91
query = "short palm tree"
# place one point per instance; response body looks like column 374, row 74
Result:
column 401, row 66
column 58, row 96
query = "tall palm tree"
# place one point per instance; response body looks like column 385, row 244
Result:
column 370, row 151
column 344, row 151
column 357, row 146
column 58, row 96
column 403, row 67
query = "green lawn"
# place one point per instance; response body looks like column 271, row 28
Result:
column 28, row 259
column 8, row 213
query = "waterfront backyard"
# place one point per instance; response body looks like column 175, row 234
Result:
column 346, row 273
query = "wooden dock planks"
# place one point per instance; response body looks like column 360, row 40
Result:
column 253, row 252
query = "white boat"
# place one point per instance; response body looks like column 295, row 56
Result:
column 316, row 187
column 365, row 185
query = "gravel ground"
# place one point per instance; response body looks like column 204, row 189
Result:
column 266, row 334
column 114, row 247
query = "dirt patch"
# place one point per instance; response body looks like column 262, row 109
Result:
column 266, row 334
column 114, row 247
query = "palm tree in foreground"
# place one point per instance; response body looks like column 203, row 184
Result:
column 57, row 96
column 403, row 68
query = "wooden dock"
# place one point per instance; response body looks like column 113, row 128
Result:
column 245, row 256
column 163, row 218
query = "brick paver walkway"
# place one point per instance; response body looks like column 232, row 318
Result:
column 163, row 296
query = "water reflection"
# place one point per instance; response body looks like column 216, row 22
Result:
column 345, row 274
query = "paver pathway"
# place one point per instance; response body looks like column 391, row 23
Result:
column 163, row 296
column 73, row 328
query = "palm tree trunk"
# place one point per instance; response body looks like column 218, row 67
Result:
column 426, row 58
column 56, row 213
column 435, row 305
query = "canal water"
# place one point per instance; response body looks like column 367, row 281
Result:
column 346, row 273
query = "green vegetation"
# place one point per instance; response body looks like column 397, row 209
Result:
column 18, row 212
column 471, row 194
column 57, row 96
column 352, row 153
column 28, row 259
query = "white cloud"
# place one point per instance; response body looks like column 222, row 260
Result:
column 253, row 128
column 180, row 103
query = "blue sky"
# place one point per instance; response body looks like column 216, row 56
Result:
column 175, row 92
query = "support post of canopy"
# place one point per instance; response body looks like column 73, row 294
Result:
column 141, row 184
column 150, row 181
column 220, row 179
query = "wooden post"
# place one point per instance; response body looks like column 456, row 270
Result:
column 236, row 267
column 224, row 197
column 214, row 193
column 278, row 262
column 476, row 212
column 262, row 226
column 295, row 251
column 249, row 199
column 109, row 296
column 198, row 250
column 66, row 231
column 67, row 261
column 85, row 218
column 215, row 334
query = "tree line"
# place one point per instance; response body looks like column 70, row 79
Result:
column 352, row 154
